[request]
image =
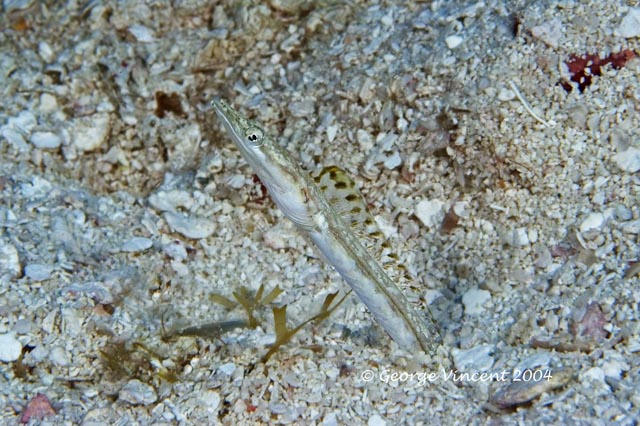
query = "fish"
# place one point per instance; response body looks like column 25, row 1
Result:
column 325, row 207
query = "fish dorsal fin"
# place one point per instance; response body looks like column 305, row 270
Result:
column 343, row 195
column 347, row 201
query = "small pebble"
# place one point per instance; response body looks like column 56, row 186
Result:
column 593, row 221
column 367, row 90
column 89, row 133
column 171, row 201
column 141, row 33
column 364, row 139
column 10, row 347
column 387, row 20
column 9, row 260
column 578, row 116
column 23, row 326
column 190, row 227
column 14, row 137
column 615, row 367
column 179, row 268
column 175, row 250
column 332, row 131
column 332, row 373
column 628, row 160
column 453, row 41
column 475, row 359
column 48, row 103
column 45, row 140
column 136, row 244
column 23, row 122
column 39, row 354
column 630, row 25
column 549, row 32
column 282, row 235
column 97, row 290
column 519, row 237
column 236, row 181
column 137, row 393
column 473, row 301
column 45, row 51
column 227, row 368
column 429, row 212
column 506, row 95
column 394, row 160
column 11, row 5
column 543, row 257
column 623, row 213
column 36, row 188
column 302, row 108
column 631, row 227
column 402, row 125
column 522, row 392
column 277, row 408
column 38, row 408
column 590, row 323
column 540, row 359
column 330, row 419
column 594, row 374
column 211, row 400
column 60, row 357
column 424, row 20
column 376, row 420
column 72, row 322
column 38, row 272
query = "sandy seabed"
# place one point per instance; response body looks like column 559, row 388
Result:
column 496, row 143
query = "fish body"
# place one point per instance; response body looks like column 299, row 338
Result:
column 324, row 215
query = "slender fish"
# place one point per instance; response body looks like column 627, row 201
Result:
column 317, row 213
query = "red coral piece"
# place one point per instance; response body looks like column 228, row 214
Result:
column 563, row 250
column 38, row 408
column 583, row 68
column 259, row 199
column 620, row 59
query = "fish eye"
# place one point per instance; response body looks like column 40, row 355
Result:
column 254, row 135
